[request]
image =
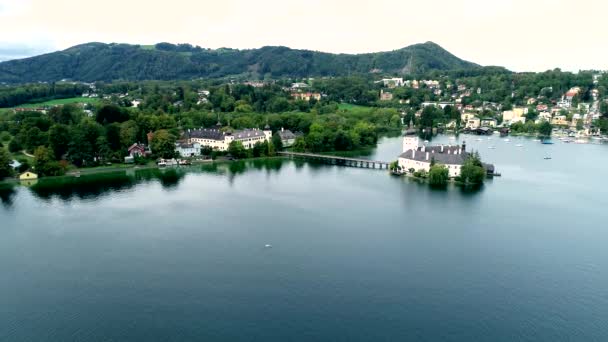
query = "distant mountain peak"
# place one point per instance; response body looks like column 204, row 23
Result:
column 96, row 61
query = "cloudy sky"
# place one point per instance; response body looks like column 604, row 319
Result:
column 522, row 35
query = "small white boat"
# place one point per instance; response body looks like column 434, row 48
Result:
column 491, row 147
column 479, row 139
column 452, row 138
column 267, row 246
column 507, row 140
column 519, row 145
column 536, row 140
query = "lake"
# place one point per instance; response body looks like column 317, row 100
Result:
column 356, row 254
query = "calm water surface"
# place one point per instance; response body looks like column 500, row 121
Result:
column 357, row 255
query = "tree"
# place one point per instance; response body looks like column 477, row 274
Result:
column 299, row 145
column 271, row 152
column 314, row 141
column 237, row 150
column 278, row 143
column 5, row 168
column 110, row 114
column 14, row 146
column 59, row 140
column 439, row 175
column 545, row 129
column 472, row 172
column 34, row 138
column 44, row 163
column 163, row 144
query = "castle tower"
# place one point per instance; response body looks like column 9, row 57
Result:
column 410, row 138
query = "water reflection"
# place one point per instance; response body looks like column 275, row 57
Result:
column 7, row 193
column 94, row 186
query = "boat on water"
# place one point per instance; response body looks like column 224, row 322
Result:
column 479, row 139
column 491, row 147
column 547, row 142
column 519, row 145
column 536, row 140
column 507, row 140
column 580, row 141
column 547, row 158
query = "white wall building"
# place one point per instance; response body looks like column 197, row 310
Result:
column 218, row 140
column 188, row 150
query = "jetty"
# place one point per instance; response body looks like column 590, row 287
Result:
column 337, row 160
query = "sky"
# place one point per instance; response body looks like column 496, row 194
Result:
column 522, row 35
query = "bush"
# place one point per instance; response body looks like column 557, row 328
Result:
column 439, row 175
column 14, row 146
column 472, row 172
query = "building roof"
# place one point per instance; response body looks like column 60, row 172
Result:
column 248, row 133
column 206, row 133
column 286, row 134
column 449, row 158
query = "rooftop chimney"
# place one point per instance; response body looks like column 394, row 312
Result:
column 441, row 148
column 427, row 156
column 413, row 154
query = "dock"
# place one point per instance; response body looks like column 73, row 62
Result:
column 337, row 160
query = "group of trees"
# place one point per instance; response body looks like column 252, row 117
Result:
column 14, row 96
column 544, row 128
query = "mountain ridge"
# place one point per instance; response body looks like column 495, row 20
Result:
column 95, row 61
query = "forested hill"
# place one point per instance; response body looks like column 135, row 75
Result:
column 163, row 61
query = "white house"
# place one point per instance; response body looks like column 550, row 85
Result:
column 188, row 150
column 287, row 137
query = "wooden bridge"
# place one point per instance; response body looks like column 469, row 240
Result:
column 337, row 160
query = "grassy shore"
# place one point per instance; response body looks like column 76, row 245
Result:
column 58, row 102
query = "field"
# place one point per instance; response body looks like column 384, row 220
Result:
column 354, row 108
column 60, row 102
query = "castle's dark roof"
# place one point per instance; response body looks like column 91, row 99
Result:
column 206, row 133
column 248, row 133
column 410, row 131
column 449, row 155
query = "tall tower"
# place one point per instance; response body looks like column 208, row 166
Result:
column 410, row 138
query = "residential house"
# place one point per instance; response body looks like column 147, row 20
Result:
column 385, row 96
column 488, row 122
column 393, row 82
column 15, row 164
column 543, row 116
column 306, row 96
column 28, row 175
column 473, row 123
column 188, row 149
column 287, row 137
column 138, row 150
column 560, row 120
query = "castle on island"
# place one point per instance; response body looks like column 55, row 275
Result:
column 419, row 157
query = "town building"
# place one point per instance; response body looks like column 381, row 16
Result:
column 219, row 140
column 385, row 96
column 488, row 122
column 139, row 150
column 287, row 137
column 441, row 105
column 307, row 96
column 393, row 82
column 188, row 149
column 28, row 175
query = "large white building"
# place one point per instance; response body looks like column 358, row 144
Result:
column 418, row 157
column 218, row 140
